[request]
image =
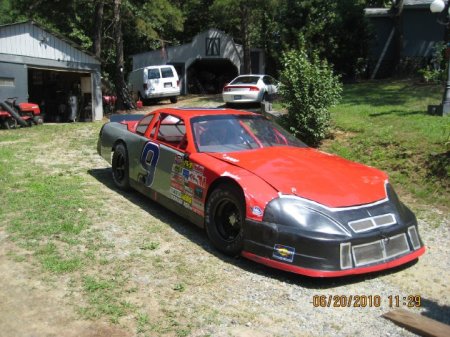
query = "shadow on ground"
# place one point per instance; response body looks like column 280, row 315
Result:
column 198, row 236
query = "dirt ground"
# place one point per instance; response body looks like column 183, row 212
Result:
column 185, row 288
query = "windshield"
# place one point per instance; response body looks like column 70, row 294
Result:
column 245, row 80
column 233, row 133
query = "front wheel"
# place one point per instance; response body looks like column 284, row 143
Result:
column 224, row 220
column 173, row 99
column 120, row 167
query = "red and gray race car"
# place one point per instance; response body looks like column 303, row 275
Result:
column 261, row 193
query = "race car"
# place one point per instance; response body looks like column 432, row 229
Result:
column 261, row 193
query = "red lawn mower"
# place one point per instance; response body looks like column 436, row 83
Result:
column 23, row 114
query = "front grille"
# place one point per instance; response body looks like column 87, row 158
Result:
column 366, row 224
column 380, row 250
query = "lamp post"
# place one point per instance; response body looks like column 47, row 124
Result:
column 441, row 6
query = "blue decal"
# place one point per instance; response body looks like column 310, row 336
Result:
column 149, row 159
column 283, row 253
column 186, row 173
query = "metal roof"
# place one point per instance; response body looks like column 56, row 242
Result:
column 56, row 34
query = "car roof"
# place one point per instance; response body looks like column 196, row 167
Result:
column 195, row 112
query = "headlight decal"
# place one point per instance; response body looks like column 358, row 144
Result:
column 346, row 257
column 414, row 237
column 366, row 224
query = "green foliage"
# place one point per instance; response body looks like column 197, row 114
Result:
column 338, row 30
column 435, row 72
column 309, row 87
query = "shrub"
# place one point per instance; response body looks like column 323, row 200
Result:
column 309, row 88
column 436, row 71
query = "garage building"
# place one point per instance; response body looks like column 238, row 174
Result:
column 205, row 64
column 42, row 67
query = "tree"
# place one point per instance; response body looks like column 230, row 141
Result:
column 240, row 24
column 337, row 30
column 98, row 28
column 123, row 96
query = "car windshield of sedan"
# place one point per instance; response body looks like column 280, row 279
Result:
column 233, row 133
column 245, row 80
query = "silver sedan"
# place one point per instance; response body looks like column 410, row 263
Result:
column 250, row 89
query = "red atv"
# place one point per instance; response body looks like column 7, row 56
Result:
column 23, row 114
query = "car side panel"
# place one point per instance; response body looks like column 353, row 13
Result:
column 109, row 135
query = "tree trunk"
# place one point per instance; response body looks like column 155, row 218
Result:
column 124, row 100
column 98, row 28
column 245, row 39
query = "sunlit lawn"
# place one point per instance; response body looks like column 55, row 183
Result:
column 386, row 125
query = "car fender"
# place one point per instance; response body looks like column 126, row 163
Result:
column 257, row 192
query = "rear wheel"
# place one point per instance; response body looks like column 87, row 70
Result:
column 224, row 220
column 173, row 99
column 120, row 167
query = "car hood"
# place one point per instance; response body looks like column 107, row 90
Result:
column 311, row 174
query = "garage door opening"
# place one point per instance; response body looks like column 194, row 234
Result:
column 62, row 96
column 210, row 76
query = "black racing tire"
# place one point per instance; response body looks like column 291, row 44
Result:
column 224, row 219
column 120, row 167
column 173, row 99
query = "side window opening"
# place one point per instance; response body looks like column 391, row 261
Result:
column 172, row 131
column 143, row 124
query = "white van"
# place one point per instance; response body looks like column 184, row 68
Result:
column 155, row 82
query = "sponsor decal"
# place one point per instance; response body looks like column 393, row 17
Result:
column 188, row 190
column 186, row 173
column 199, row 168
column 187, row 164
column 176, row 168
column 283, row 253
column 176, row 199
column 197, row 178
column 257, row 211
column 186, row 198
column 175, row 192
column 198, row 192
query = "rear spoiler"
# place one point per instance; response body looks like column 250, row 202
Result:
column 125, row 118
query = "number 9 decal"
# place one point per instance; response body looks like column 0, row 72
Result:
column 149, row 159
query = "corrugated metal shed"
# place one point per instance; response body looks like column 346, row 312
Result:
column 418, row 32
column 25, row 46
column 212, row 48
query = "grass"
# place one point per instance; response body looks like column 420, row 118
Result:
column 385, row 125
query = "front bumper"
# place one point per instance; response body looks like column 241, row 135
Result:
column 285, row 248
column 162, row 94
column 241, row 97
